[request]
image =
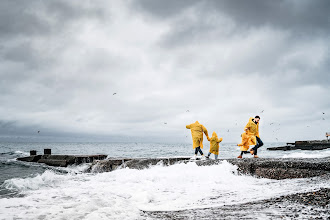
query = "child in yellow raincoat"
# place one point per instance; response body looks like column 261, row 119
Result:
column 214, row 145
column 247, row 140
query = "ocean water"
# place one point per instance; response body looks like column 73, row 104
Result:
column 37, row 191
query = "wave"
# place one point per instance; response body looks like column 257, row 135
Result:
column 123, row 193
column 308, row 154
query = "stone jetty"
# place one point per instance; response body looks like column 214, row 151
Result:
column 304, row 145
column 62, row 160
column 267, row 167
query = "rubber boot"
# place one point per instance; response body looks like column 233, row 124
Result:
column 240, row 156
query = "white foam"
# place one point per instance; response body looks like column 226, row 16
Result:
column 309, row 154
column 122, row 194
column 22, row 153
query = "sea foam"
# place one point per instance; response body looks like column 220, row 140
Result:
column 124, row 193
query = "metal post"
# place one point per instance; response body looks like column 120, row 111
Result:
column 33, row 152
column 48, row 151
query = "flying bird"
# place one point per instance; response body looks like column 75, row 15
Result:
column 323, row 113
column 228, row 130
column 114, row 93
column 38, row 132
column 187, row 111
column 271, row 123
column 165, row 123
column 323, row 119
column 262, row 111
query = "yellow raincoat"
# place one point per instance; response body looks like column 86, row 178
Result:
column 197, row 134
column 247, row 140
column 253, row 128
column 214, row 143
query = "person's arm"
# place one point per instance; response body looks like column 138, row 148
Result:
column 188, row 126
column 205, row 131
column 209, row 139
column 220, row 139
column 248, row 126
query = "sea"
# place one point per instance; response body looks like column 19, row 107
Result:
column 38, row 191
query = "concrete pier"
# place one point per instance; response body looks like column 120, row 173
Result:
column 271, row 168
column 304, row 145
column 62, row 160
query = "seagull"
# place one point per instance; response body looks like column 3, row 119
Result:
column 262, row 111
column 165, row 123
column 323, row 119
column 187, row 111
column 38, row 132
column 228, row 130
column 323, row 113
column 271, row 123
column 114, row 93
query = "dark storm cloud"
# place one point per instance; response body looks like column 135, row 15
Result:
column 298, row 24
column 27, row 26
column 28, row 18
column 303, row 15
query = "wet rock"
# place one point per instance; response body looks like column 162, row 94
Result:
column 267, row 168
column 290, row 206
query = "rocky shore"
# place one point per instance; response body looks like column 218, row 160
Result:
column 310, row 205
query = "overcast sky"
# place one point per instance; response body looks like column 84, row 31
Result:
column 62, row 61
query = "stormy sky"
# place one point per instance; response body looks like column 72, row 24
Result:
column 170, row 63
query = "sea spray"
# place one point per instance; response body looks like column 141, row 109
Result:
column 124, row 193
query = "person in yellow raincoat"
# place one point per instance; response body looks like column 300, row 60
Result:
column 197, row 131
column 246, row 142
column 214, row 145
column 253, row 132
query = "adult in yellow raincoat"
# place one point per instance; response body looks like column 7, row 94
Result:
column 253, row 131
column 214, row 145
column 197, row 131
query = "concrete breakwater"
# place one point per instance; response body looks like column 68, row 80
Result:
column 304, row 145
column 268, row 167
column 62, row 160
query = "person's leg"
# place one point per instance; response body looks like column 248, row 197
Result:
column 259, row 144
column 196, row 150
column 216, row 156
column 200, row 151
